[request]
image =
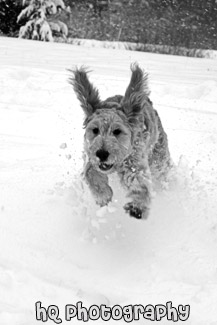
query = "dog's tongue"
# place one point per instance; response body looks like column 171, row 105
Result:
column 105, row 166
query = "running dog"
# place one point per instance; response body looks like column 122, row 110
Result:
column 123, row 134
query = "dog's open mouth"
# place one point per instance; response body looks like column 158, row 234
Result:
column 105, row 167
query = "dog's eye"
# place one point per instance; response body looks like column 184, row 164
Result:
column 95, row 131
column 117, row 132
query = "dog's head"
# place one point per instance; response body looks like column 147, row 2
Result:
column 111, row 126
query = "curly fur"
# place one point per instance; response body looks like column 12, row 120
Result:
column 123, row 134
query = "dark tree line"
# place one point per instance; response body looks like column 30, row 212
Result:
column 188, row 23
column 9, row 10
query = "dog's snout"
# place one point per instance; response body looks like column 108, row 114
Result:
column 102, row 155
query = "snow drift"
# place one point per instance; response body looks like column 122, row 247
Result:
column 57, row 246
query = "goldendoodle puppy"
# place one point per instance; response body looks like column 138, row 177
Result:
column 123, row 134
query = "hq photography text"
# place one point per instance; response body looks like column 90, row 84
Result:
column 127, row 313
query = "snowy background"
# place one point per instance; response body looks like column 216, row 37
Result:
column 57, row 246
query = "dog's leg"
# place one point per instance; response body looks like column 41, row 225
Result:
column 98, row 184
column 138, row 184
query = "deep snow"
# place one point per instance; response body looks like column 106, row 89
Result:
column 57, row 246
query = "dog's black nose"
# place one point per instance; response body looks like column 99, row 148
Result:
column 102, row 155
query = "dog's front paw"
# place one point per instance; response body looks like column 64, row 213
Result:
column 105, row 197
column 136, row 211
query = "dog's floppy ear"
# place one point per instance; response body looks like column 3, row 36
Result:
column 86, row 93
column 136, row 93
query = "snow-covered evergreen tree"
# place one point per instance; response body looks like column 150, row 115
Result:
column 38, row 20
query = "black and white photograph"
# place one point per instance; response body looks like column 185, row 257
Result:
column 108, row 162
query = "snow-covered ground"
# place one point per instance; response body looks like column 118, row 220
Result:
column 57, row 246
